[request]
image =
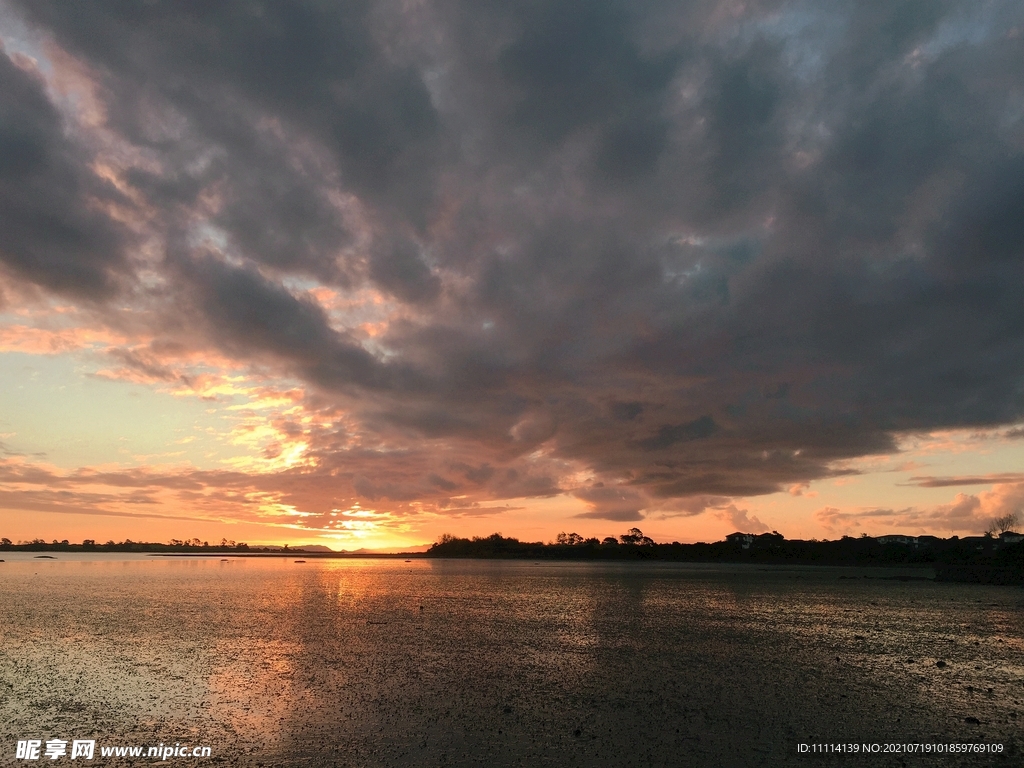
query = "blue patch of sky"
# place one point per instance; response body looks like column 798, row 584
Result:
column 807, row 32
column 16, row 37
column 972, row 24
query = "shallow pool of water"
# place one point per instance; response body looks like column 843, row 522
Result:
column 433, row 662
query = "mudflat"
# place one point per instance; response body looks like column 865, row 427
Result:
column 506, row 663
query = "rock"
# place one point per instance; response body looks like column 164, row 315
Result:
column 940, row 663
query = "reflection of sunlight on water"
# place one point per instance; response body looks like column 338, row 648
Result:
column 350, row 587
column 251, row 689
column 265, row 654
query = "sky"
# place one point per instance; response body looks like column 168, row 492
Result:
column 361, row 273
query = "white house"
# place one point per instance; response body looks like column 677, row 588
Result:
column 910, row 541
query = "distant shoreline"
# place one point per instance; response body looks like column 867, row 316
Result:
column 974, row 559
column 298, row 553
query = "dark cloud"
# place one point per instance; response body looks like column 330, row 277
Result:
column 250, row 315
column 612, row 503
column 626, row 411
column 144, row 364
column 946, row 482
column 694, row 253
column 670, row 434
column 399, row 268
column 77, row 504
column 618, row 515
column 55, row 231
column 577, row 64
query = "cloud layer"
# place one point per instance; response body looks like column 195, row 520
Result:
column 654, row 255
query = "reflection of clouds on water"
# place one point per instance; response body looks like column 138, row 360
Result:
column 895, row 632
column 393, row 663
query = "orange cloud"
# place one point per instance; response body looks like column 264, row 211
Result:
column 966, row 513
column 741, row 520
column 40, row 341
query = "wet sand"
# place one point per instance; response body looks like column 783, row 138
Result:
column 463, row 663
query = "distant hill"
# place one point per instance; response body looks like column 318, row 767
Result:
column 388, row 550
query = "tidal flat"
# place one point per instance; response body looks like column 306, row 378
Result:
column 273, row 662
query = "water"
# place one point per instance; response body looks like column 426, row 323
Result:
column 388, row 663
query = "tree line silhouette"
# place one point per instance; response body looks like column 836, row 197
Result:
column 990, row 558
column 993, row 559
column 127, row 545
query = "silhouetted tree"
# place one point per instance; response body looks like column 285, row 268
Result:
column 1004, row 523
column 636, row 536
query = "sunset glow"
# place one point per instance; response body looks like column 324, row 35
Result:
column 736, row 280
